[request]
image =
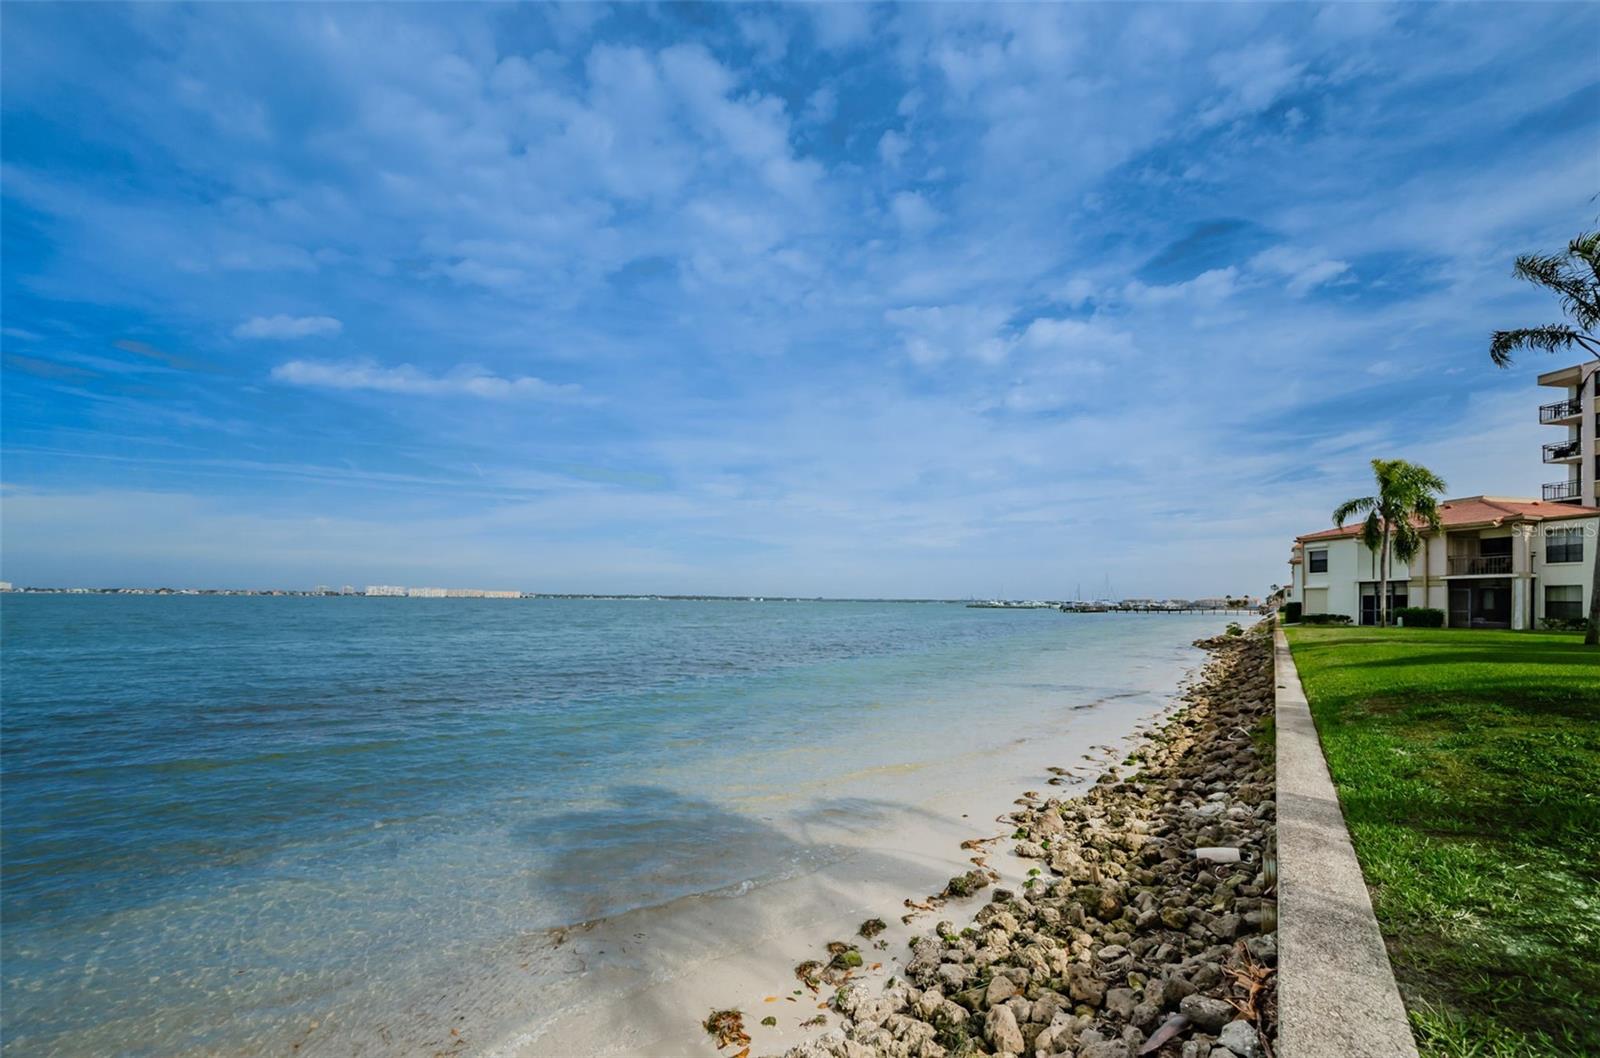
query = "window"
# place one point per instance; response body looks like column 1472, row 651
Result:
column 1317, row 561
column 1563, row 601
column 1563, row 545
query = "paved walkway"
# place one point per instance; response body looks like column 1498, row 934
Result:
column 1336, row 991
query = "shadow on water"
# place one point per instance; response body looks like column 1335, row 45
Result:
column 651, row 845
column 698, row 854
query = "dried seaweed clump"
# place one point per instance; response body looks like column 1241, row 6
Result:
column 727, row 1027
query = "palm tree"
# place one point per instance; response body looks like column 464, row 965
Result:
column 1574, row 277
column 1407, row 503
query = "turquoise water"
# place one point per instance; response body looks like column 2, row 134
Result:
column 224, row 817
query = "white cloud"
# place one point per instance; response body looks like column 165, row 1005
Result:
column 1205, row 290
column 892, row 147
column 287, row 328
column 1304, row 269
column 1088, row 341
column 934, row 333
column 1076, row 291
column 913, row 212
column 767, row 39
column 467, row 381
column 821, row 106
column 841, row 25
column 1252, row 78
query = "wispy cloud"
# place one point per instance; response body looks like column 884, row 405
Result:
column 288, row 328
column 915, row 299
column 464, row 381
column 1304, row 270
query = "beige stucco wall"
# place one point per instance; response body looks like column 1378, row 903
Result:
column 1566, row 573
column 1349, row 564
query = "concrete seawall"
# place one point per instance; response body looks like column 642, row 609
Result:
column 1336, row 992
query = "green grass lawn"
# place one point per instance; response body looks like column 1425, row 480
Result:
column 1468, row 766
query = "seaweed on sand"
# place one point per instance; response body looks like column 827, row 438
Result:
column 727, row 1026
column 809, row 973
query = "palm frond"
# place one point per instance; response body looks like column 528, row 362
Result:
column 1349, row 508
column 1554, row 273
column 1574, row 278
column 1551, row 338
column 1407, row 541
column 1372, row 532
column 1427, row 508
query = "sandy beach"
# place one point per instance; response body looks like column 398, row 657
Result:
column 642, row 983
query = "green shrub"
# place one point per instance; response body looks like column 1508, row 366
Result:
column 1291, row 613
column 1234, row 629
column 1564, row 624
column 1324, row 619
column 1419, row 617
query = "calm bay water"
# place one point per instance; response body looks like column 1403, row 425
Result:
column 224, row 817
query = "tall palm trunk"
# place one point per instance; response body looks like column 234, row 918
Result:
column 1591, row 636
column 1383, row 579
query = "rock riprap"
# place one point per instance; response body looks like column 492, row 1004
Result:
column 1125, row 942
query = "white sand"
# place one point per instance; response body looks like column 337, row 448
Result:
column 640, row 983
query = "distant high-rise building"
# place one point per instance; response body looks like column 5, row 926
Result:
column 385, row 589
column 1575, row 413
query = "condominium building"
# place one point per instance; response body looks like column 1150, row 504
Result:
column 385, row 589
column 1577, row 415
column 426, row 593
column 1494, row 563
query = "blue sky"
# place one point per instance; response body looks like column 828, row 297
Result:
column 844, row 299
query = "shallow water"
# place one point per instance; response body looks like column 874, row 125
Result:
column 229, row 818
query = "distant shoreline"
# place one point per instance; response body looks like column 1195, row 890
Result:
column 1124, row 606
column 312, row 594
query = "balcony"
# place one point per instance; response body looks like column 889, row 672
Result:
column 1564, row 491
column 1564, row 451
column 1478, row 565
column 1561, row 410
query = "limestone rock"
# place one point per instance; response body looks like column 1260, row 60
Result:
column 1001, row 1028
column 1000, row 989
column 1207, row 1013
column 1241, row 1038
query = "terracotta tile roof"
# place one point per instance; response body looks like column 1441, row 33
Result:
column 1480, row 510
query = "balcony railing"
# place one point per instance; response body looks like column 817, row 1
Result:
column 1555, row 453
column 1561, row 491
column 1478, row 565
column 1561, row 409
